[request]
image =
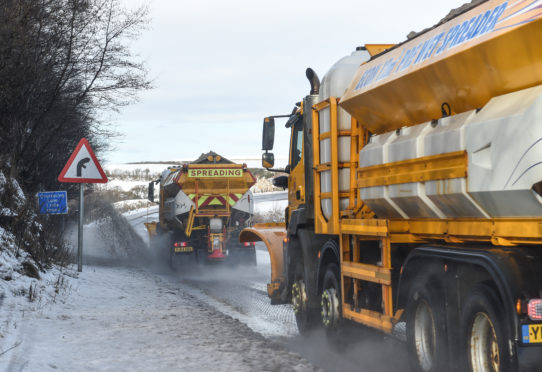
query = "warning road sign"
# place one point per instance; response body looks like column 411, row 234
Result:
column 83, row 167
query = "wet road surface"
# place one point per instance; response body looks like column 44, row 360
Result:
column 240, row 292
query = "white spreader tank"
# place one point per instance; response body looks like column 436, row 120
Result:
column 503, row 141
column 334, row 84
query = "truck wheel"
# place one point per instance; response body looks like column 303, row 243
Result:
column 248, row 256
column 331, row 309
column 485, row 335
column 252, row 261
column 173, row 260
column 159, row 244
column 331, row 298
column 242, row 256
column 426, row 330
column 306, row 319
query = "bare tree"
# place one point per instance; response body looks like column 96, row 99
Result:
column 61, row 63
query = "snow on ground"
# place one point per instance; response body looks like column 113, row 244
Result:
column 271, row 206
column 132, row 206
column 154, row 168
column 123, row 184
column 270, row 202
column 130, row 203
column 241, row 292
column 122, row 317
column 127, row 319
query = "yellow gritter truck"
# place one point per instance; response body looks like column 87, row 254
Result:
column 415, row 193
column 203, row 206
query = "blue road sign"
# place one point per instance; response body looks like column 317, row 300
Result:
column 53, row 202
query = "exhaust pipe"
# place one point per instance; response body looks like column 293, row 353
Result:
column 313, row 79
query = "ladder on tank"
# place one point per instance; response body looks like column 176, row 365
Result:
column 357, row 136
column 353, row 232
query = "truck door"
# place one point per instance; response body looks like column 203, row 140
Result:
column 296, row 180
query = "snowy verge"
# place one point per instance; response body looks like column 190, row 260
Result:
column 127, row 206
column 120, row 317
column 127, row 319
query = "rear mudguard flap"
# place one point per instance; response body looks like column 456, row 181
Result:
column 151, row 228
column 272, row 234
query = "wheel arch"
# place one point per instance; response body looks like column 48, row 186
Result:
column 298, row 220
column 308, row 244
column 329, row 253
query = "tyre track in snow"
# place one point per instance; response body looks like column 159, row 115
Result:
column 237, row 290
column 241, row 297
column 240, row 291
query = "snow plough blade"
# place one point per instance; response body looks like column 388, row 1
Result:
column 272, row 234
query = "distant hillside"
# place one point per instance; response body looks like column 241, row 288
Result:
column 130, row 180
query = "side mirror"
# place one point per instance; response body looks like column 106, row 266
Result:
column 268, row 136
column 281, row 181
column 150, row 195
column 287, row 169
column 268, row 160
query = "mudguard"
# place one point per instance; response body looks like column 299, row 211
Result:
column 151, row 228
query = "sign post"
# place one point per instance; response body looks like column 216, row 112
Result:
column 82, row 167
column 80, row 231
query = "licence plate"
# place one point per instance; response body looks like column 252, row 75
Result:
column 183, row 249
column 531, row 333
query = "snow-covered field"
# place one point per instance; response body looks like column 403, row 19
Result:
column 136, row 177
column 125, row 185
column 271, row 204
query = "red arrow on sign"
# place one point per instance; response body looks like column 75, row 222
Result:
column 82, row 166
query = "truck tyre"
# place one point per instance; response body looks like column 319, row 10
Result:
column 331, row 311
column 173, row 260
column 252, row 261
column 331, row 298
column 305, row 318
column 484, row 333
column 242, row 256
column 247, row 256
column 426, row 329
column 159, row 244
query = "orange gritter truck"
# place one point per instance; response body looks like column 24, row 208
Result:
column 415, row 193
column 203, row 206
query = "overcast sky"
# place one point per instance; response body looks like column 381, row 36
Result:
column 219, row 67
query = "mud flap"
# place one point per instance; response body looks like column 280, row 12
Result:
column 151, row 229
